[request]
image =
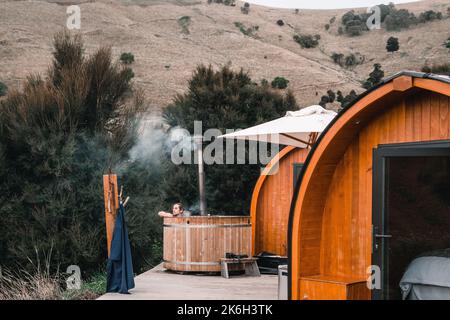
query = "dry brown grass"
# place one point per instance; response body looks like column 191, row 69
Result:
column 165, row 57
column 22, row 285
column 39, row 284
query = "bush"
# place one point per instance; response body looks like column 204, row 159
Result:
column 3, row 89
column 307, row 41
column 447, row 43
column 329, row 98
column 246, row 8
column 224, row 2
column 347, row 61
column 327, row 27
column 184, row 23
column 280, row 23
column 224, row 99
column 392, row 44
column 251, row 31
column 59, row 135
column 338, row 58
column 399, row 19
column 430, row 15
column 127, row 57
column 438, row 69
column 279, row 83
column 354, row 24
column 375, row 77
column 347, row 100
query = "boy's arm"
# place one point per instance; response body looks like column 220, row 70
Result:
column 164, row 214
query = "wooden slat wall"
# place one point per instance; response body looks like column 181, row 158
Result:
column 274, row 201
column 346, row 246
column 345, row 240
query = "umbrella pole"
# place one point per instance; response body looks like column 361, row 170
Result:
column 201, row 174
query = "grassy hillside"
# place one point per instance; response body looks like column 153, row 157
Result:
column 167, row 49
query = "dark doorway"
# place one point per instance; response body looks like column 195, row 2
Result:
column 411, row 208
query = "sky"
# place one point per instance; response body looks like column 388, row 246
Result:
column 323, row 4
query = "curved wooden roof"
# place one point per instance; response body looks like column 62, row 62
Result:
column 332, row 144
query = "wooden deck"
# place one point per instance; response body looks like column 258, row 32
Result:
column 160, row 284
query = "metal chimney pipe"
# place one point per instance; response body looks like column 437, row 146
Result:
column 201, row 174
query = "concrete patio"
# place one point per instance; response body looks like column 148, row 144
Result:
column 160, row 284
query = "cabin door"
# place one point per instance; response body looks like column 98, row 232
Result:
column 411, row 209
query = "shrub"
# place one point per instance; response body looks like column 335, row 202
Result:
column 184, row 23
column 224, row 2
column 354, row 24
column 399, row 19
column 447, row 43
column 329, row 98
column 350, row 61
column 347, row 100
column 375, row 77
column 430, row 15
column 385, row 10
column 332, row 20
column 279, row 83
column 246, row 8
column 251, row 31
column 297, row 11
column 3, row 89
column 127, row 57
column 59, row 135
column 338, row 58
column 280, row 22
column 327, row 27
column 347, row 61
column 438, row 69
column 392, row 44
column 307, row 41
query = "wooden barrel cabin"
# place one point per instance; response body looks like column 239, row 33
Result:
column 197, row 243
column 373, row 194
column 271, row 201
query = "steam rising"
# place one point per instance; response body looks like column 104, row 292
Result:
column 156, row 138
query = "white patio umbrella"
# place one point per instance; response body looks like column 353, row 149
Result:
column 297, row 128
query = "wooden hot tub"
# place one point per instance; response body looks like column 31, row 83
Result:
column 197, row 243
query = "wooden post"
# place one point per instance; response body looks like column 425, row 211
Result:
column 111, row 196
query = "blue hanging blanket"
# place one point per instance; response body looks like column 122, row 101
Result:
column 120, row 276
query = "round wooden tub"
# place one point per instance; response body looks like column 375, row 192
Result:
column 197, row 243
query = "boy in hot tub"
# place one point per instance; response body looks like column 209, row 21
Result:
column 177, row 211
